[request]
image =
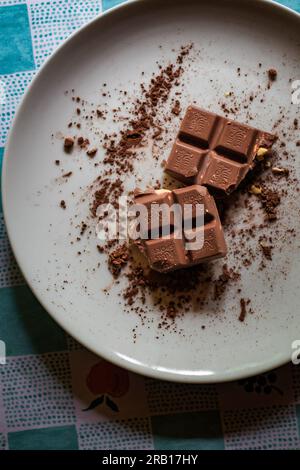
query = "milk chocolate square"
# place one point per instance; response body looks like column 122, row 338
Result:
column 179, row 249
column 215, row 151
column 165, row 254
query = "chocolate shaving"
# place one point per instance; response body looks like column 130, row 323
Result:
column 67, row 175
column 243, row 311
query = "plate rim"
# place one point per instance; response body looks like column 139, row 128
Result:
column 154, row 372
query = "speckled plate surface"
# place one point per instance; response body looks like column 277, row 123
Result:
column 116, row 48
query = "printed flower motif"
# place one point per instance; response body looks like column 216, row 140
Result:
column 107, row 380
column 261, row 384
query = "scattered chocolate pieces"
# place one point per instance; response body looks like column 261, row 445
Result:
column 82, row 142
column 270, row 200
column 100, row 114
column 267, row 251
column 221, row 283
column 118, row 259
column 108, row 191
column 123, row 150
column 176, row 108
column 83, row 228
column 121, row 153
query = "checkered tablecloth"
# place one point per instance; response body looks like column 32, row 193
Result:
column 56, row 395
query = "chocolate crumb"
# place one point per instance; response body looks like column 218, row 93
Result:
column 272, row 74
column 91, row 153
column 67, row 175
column 118, row 259
column 83, row 228
column 243, row 311
column 83, row 143
column 270, row 200
column 222, row 281
column 267, row 251
column 68, row 143
column 176, row 108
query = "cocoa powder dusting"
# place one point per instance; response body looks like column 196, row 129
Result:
column 261, row 193
column 118, row 259
column 222, row 281
column 270, row 200
column 171, row 296
column 122, row 151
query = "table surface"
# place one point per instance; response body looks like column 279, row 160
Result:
column 54, row 394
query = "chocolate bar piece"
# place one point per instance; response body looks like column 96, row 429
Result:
column 214, row 151
column 174, row 251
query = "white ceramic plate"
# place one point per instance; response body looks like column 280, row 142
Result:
column 115, row 48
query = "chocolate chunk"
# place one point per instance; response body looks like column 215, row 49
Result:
column 214, row 151
column 174, row 251
column 68, row 143
column 91, row 153
column 272, row 73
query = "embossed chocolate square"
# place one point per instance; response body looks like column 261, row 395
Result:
column 214, row 151
column 194, row 232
